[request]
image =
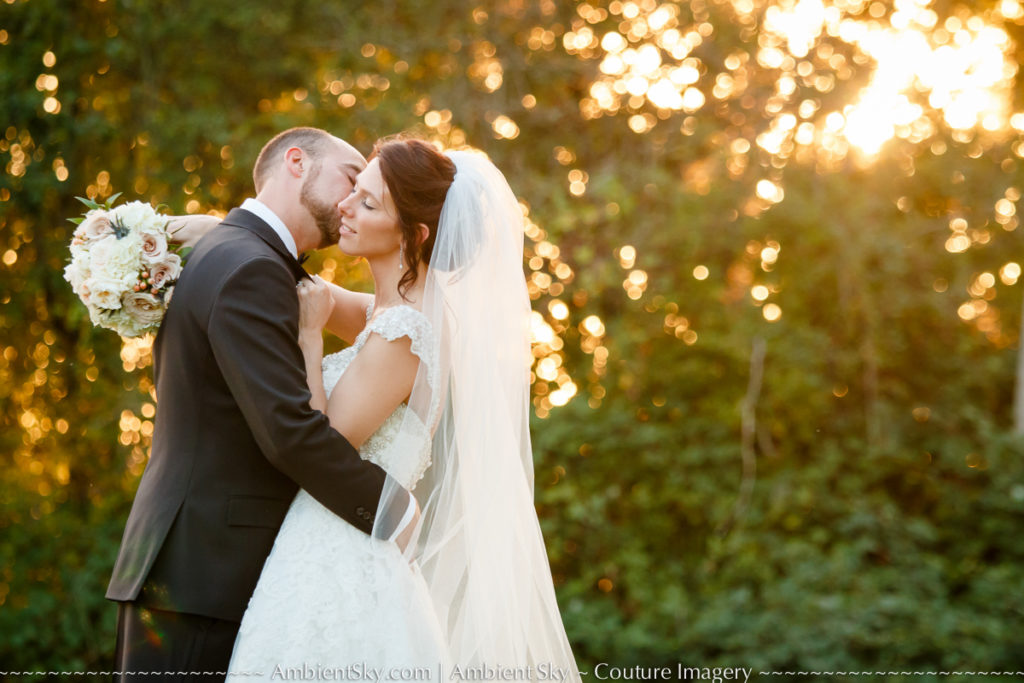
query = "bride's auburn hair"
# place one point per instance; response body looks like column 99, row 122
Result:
column 418, row 177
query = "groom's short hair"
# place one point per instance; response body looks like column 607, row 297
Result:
column 312, row 141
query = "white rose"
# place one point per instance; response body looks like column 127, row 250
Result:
column 166, row 271
column 105, row 292
column 117, row 258
column 133, row 215
column 73, row 275
column 140, row 217
column 77, row 272
column 95, row 226
column 85, row 294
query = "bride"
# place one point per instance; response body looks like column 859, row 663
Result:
column 434, row 388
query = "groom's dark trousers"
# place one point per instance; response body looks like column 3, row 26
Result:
column 156, row 640
column 233, row 441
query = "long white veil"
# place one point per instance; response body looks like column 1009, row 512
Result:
column 479, row 544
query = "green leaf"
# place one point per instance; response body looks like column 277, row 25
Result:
column 89, row 203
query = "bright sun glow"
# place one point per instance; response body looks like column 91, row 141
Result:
column 925, row 72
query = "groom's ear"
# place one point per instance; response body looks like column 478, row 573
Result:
column 294, row 161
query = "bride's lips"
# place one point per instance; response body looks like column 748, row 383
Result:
column 346, row 230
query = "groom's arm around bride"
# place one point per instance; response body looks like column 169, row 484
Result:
column 235, row 436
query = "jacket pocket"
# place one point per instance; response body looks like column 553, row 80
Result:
column 256, row 511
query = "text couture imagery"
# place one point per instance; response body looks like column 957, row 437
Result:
column 540, row 672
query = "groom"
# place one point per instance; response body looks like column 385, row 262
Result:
column 235, row 436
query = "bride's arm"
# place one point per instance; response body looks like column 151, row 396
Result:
column 348, row 315
column 359, row 402
column 377, row 380
column 187, row 230
column 373, row 385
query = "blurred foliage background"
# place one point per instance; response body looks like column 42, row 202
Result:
column 775, row 260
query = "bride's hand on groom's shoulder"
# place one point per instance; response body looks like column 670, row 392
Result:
column 315, row 304
column 187, row 230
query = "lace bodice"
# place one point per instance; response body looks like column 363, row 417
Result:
column 405, row 462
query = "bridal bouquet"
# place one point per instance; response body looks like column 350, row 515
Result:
column 123, row 267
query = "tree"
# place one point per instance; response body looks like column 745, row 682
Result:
column 689, row 188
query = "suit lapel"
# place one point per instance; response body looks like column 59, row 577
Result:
column 254, row 224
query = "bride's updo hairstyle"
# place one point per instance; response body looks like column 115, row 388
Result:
column 418, row 178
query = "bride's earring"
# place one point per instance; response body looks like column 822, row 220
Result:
column 401, row 252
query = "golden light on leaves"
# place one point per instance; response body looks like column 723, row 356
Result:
column 701, row 273
column 635, row 284
column 1006, row 209
column 771, row 312
column 47, row 83
column 923, row 74
column 60, row 170
column 562, row 395
column 136, row 352
column 960, row 241
column 558, row 310
column 957, row 244
column 486, row 69
column 769, row 191
column 1010, row 273
column 551, row 383
column 505, row 128
column 627, row 256
column 593, row 326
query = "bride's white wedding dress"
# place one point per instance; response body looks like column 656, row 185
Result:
column 331, row 596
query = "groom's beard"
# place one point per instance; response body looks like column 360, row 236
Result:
column 326, row 215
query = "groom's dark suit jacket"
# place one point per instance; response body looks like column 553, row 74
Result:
column 234, row 436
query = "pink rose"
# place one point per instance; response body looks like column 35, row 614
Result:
column 144, row 308
column 165, row 272
column 154, row 247
column 95, row 225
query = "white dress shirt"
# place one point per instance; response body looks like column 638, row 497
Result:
column 274, row 221
column 270, row 218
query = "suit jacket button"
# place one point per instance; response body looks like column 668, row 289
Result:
column 360, row 510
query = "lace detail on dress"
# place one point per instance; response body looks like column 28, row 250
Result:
column 405, row 462
column 329, row 594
